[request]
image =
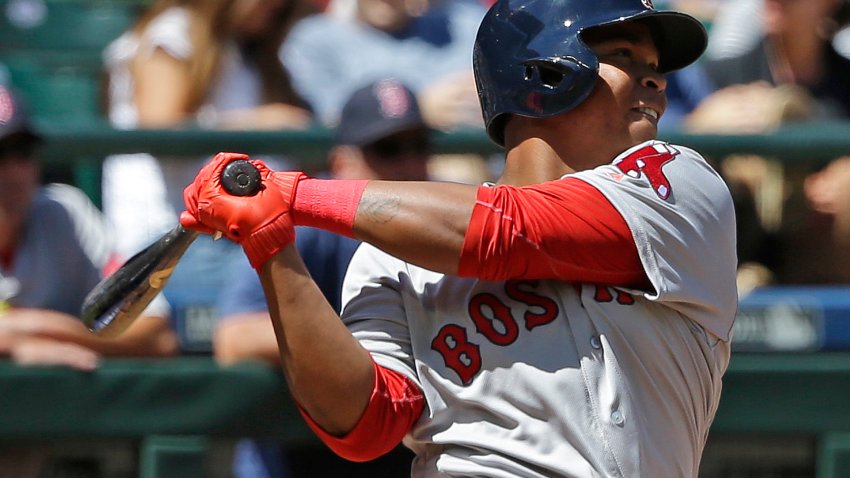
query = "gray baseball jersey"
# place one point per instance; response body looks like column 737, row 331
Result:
column 542, row 378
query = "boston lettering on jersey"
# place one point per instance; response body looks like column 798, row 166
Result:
column 463, row 356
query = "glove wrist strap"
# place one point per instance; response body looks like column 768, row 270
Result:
column 264, row 243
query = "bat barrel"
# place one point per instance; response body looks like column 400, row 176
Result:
column 118, row 299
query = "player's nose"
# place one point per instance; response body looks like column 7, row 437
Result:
column 653, row 80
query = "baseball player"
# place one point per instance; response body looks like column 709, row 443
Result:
column 571, row 320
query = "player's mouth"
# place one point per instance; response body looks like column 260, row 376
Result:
column 648, row 112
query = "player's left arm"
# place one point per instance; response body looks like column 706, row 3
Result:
column 564, row 229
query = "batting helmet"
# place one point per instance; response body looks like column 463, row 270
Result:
column 530, row 58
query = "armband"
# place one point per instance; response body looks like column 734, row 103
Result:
column 329, row 204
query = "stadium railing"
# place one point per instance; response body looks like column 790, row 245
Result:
column 82, row 145
column 175, row 408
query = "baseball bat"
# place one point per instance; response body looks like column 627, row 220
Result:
column 121, row 297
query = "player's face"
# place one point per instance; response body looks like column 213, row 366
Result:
column 387, row 15
column 252, row 19
column 400, row 157
column 796, row 17
column 19, row 173
column 629, row 98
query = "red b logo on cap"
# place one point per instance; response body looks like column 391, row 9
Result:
column 648, row 4
column 393, row 98
column 7, row 106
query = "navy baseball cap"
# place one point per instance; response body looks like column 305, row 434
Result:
column 14, row 119
column 377, row 111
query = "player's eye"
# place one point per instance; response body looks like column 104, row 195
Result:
column 629, row 55
column 619, row 54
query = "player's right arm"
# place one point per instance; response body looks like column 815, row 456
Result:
column 359, row 409
column 340, row 390
column 321, row 360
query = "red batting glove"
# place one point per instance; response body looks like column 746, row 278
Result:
column 262, row 223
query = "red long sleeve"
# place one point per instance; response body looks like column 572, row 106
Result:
column 393, row 408
column 564, row 229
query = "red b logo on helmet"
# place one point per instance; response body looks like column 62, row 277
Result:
column 648, row 4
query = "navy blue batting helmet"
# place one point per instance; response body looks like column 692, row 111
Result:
column 530, row 58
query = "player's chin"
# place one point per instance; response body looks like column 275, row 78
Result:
column 643, row 130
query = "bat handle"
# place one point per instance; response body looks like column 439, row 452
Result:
column 241, row 178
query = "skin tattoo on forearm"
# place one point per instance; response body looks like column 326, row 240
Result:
column 380, row 209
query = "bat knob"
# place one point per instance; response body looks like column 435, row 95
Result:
column 241, row 178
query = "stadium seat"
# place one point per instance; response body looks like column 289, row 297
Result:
column 64, row 25
column 52, row 50
column 58, row 87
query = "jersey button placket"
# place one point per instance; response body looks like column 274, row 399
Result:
column 617, row 418
column 595, row 342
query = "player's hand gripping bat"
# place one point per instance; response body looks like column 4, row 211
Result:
column 122, row 296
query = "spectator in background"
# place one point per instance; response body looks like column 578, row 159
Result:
column 814, row 239
column 796, row 49
column 425, row 43
column 686, row 89
column 54, row 248
column 197, row 63
column 826, row 228
column 209, row 63
column 733, row 31
column 793, row 73
column 381, row 135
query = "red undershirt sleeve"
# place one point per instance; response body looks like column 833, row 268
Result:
column 395, row 405
column 564, row 229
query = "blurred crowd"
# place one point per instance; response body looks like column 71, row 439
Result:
column 385, row 76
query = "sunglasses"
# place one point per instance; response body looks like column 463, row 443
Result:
column 17, row 148
column 391, row 148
